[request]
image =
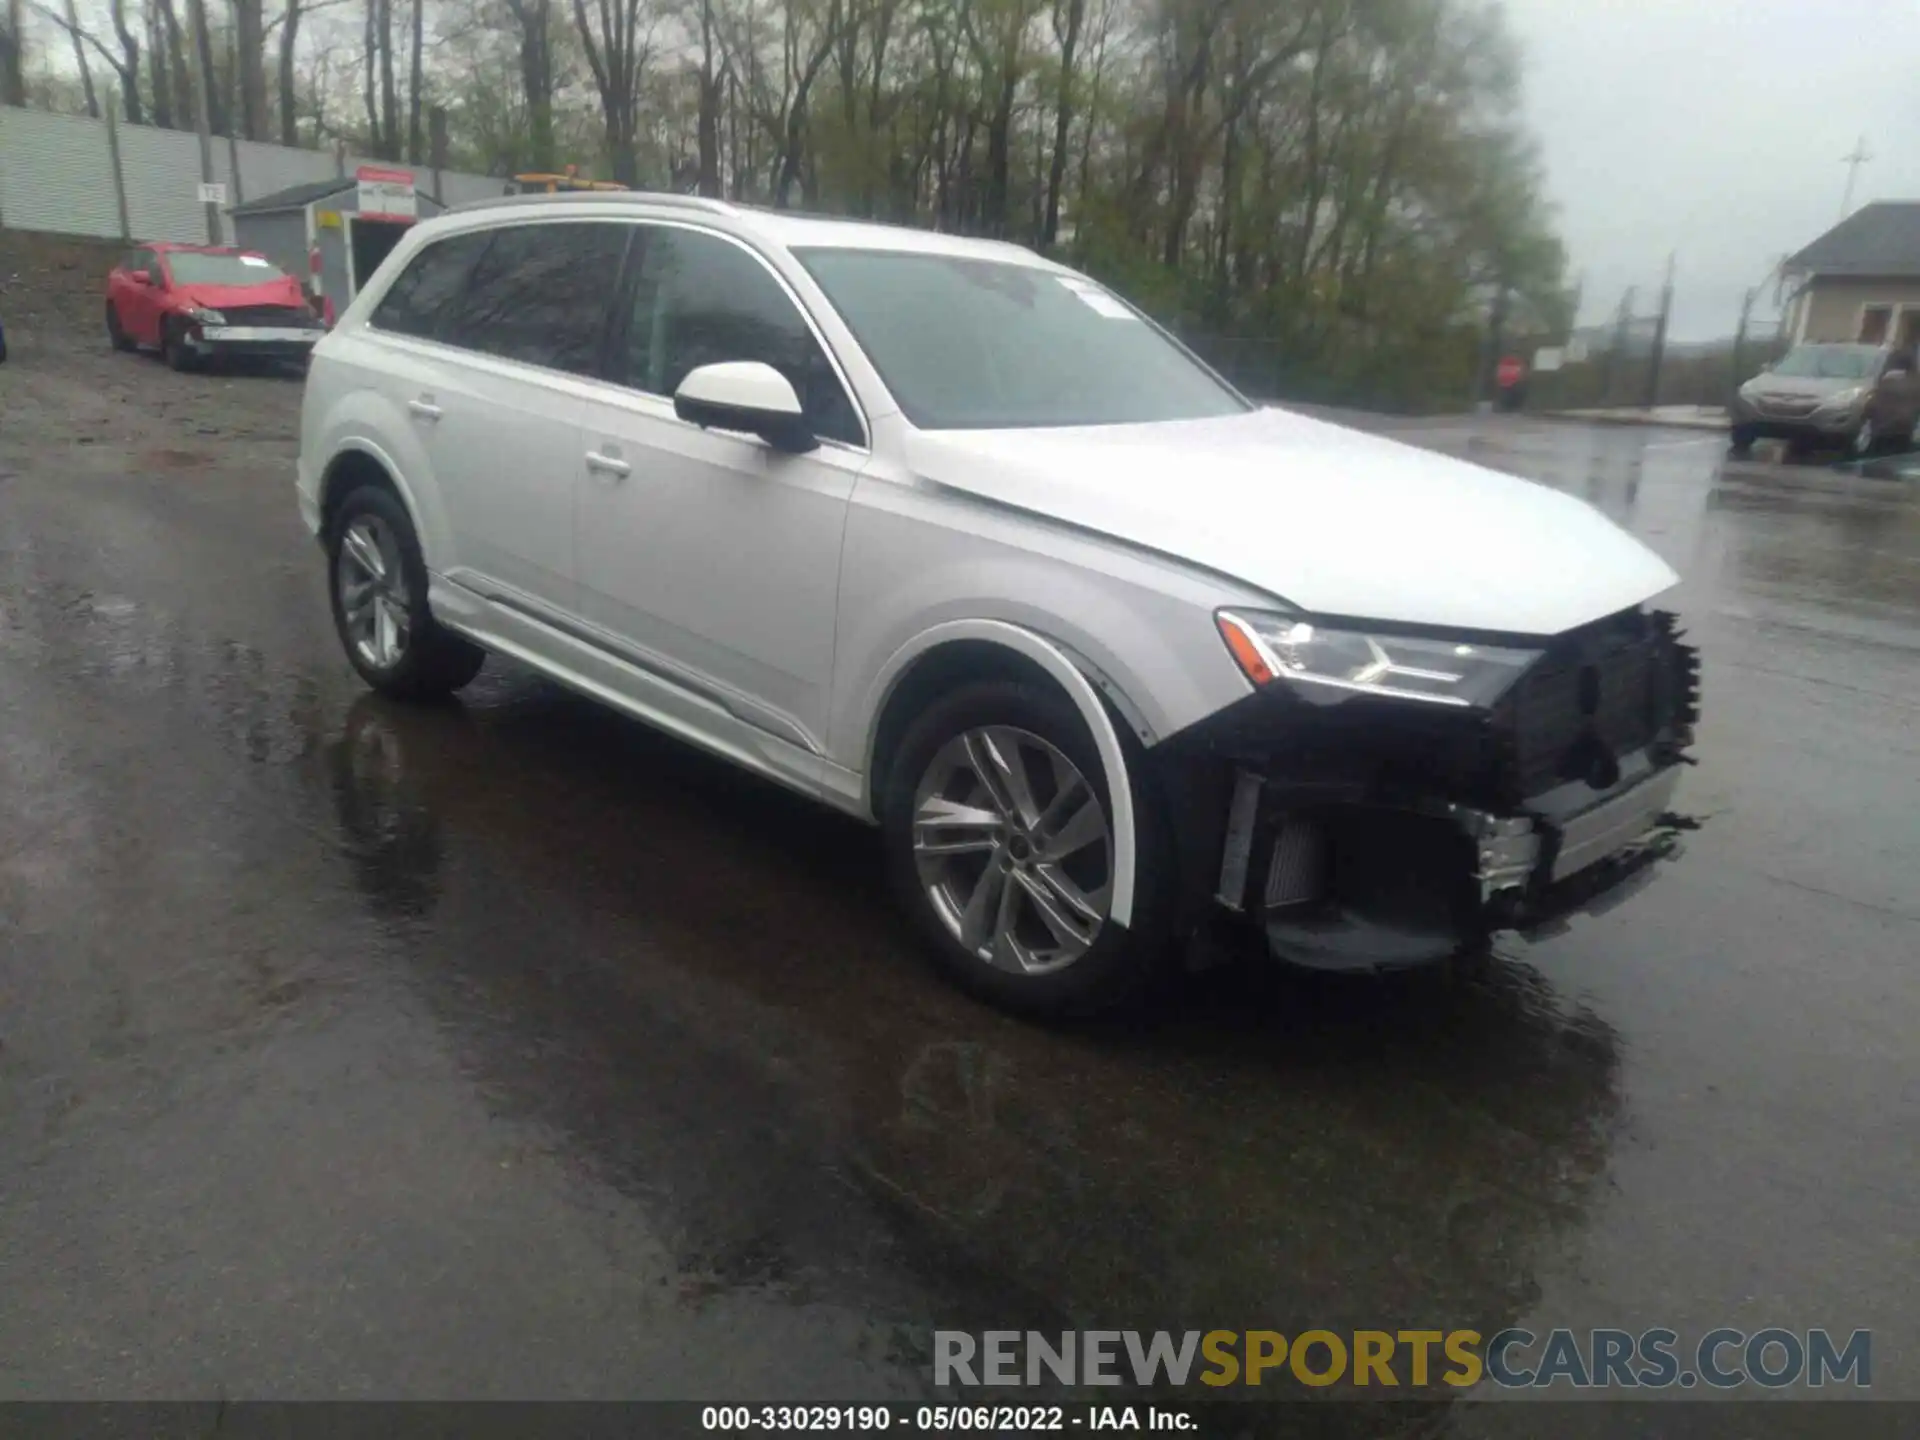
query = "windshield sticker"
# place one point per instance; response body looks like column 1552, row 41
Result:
column 1096, row 299
column 256, row 260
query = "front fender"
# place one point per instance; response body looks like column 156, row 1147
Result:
column 1079, row 689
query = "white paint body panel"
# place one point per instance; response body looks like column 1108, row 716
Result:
column 1331, row 520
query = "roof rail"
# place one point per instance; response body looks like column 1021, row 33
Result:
column 617, row 197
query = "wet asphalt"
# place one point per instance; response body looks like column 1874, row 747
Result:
column 509, row 1050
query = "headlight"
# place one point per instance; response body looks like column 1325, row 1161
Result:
column 1272, row 648
column 1844, row 399
column 206, row 316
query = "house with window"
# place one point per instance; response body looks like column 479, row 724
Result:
column 1861, row 280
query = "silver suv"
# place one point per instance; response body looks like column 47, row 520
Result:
column 954, row 539
column 1859, row 398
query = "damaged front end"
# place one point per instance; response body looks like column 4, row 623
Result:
column 1387, row 801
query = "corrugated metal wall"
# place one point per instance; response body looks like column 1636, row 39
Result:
column 56, row 174
column 161, row 169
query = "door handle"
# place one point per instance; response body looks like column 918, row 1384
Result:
column 608, row 465
column 425, row 409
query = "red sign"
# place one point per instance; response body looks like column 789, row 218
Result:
column 1509, row 372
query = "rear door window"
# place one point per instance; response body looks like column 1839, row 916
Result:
column 418, row 301
column 540, row 295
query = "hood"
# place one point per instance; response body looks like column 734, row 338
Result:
column 1330, row 520
column 281, row 290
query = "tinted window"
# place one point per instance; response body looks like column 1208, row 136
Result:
column 700, row 300
column 416, row 301
column 539, row 295
column 966, row 343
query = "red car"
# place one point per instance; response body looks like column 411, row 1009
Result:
column 192, row 302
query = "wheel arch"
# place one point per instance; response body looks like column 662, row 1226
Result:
column 963, row 650
column 353, row 466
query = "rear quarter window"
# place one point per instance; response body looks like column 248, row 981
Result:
column 419, row 301
column 540, row 293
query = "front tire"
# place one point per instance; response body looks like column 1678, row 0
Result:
column 1866, row 440
column 1740, row 441
column 997, row 822
column 377, row 581
column 173, row 347
column 116, row 332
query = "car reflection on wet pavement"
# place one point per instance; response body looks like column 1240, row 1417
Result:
column 509, row 1049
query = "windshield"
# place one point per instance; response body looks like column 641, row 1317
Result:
column 968, row 344
column 200, row 267
column 1830, row 362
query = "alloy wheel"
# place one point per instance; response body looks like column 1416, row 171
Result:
column 1863, row 438
column 1013, row 849
column 374, row 605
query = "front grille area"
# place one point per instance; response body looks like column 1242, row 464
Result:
column 279, row 315
column 1785, row 407
column 1599, row 693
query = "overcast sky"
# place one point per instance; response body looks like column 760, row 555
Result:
column 1713, row 128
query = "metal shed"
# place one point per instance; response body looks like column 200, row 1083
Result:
column 335, row 232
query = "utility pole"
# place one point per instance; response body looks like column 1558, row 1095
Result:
column 1652, row 397
column 1496, row 342
column 1616, row 353
column 1853, row 163
column 1736, row 374
column 201, row 123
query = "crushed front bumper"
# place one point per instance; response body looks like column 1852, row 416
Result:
column 266, row 342
column 1357, row 885
column 1377, row 835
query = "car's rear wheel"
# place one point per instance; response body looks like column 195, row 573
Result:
column 378, row 584
column 1000, row 838
column 116, row 332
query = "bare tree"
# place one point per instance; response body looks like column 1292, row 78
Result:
column 619, row 43
column 534, row 22
column 13, row 54
column 415, row 144
column 72, row 24
column 250, row 65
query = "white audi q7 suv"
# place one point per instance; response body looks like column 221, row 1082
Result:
column 952, row 538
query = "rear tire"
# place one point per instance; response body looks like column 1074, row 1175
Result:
column 116, row 333
column 377, row 583
column 1038, row 965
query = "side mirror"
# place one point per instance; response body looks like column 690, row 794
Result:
column 139, row 277
column 748, row 397
column 1897, row 373
column 1766, row 365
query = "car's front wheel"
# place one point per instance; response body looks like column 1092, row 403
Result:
column 378, row 582
column 1000, row 838
column 1740, row 441
column 173, row 345
column 1865, row 439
